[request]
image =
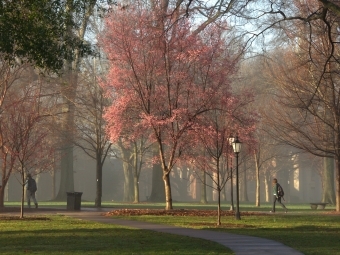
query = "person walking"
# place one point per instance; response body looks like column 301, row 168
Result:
column 277, row 195
column 30, row 192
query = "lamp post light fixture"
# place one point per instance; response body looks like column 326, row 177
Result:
column 237, row 148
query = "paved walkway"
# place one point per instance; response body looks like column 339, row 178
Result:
column 240, row 244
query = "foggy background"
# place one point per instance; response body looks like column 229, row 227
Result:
column 300, row 179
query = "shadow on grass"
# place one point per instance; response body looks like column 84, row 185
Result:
column 80, row 237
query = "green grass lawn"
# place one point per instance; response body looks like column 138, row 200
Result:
column 63, row 235
column 310, row 234
column 309, row 231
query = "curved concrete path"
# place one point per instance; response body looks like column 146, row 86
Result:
column 240, row 244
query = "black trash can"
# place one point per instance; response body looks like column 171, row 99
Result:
column 74, row 201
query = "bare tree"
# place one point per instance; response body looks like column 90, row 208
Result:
column 133, row 154
column 24, row 124
column 78, row 14
column 9, row 77
column 90, row 134
column 308, row 99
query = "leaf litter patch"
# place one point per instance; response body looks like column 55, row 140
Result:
column 175, row 212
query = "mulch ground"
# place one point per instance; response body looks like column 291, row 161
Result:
column 174, row 212
column 185, row 213
column 14, row 212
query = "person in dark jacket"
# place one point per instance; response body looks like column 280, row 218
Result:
column 276, row 196
column 30, row 192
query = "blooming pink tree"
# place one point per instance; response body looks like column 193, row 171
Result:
column 166, row 75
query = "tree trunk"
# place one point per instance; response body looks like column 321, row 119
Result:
column 257, row 198
column 2, row 196
column 22, row 195
column 157, row 191
column 66, row 171
column 204, row 189
column 128, row 182
column 231, row 190
column 244, row 190
column 53, row 183
column 224, row 194
column 99, row 182
column 136, row 189
column 4, row 181
column 328, row 195
column 167, row 188
column 218, row 194
column 6, row 171
column 69, row 93
column 128, row 195
column 219, row 207
column 338, row 185
column 266, row 184
column 136, row 176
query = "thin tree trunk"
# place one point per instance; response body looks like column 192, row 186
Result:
column 257, row 202
column 218, row 195
column 244, row 190
column 99, row 182
column 168, row 196
column 338, row 185
column 4, row 181
column 2, row 196
column 231, row 190
column 136, row 189
column 328, row 195
column 135, row 176
column 204, row 189
column 266, row 184
column 22, row 195
column 219, row 208
column 224, row 194
column 7, row 192
column 53, row 183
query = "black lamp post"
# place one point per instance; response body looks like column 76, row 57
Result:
column 237, row 148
